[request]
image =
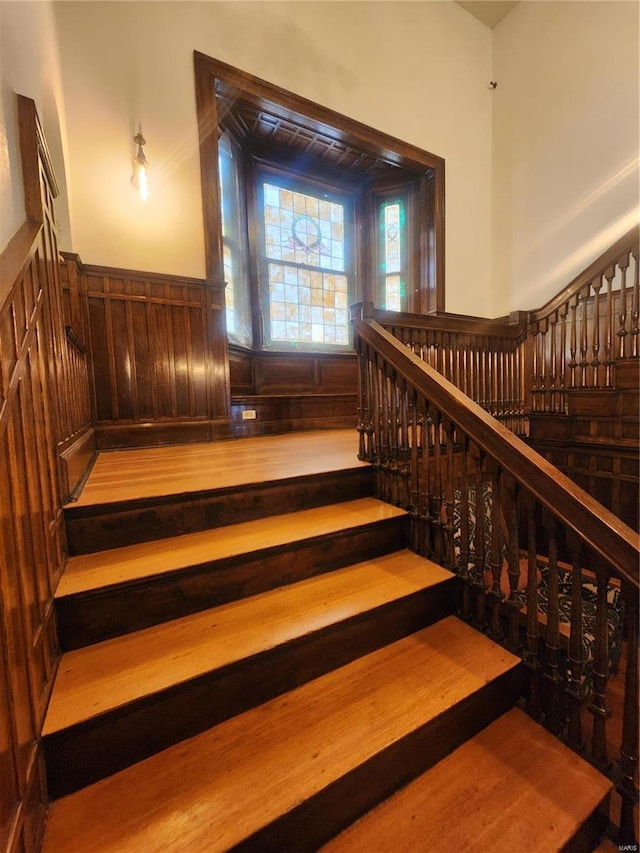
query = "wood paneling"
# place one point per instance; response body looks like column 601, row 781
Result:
column 158, row 353
column 42, row 403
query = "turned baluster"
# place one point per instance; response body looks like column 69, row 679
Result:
column 510, row 490
column 479, row 546
column 534, row 368
column 385, row 492
column 553, row 718
column 627, row 786
column 437, row 495
column 584, row 324
column 608, row 327
column 595, row 337
column 450, row 558
column 635, row 307
column 376, row 413
column 463, row 558
column 573, row 341
column 530, row 656
column 552, row 362
column 623, row 263
column 414, row 480
column 542, row 364
column 427, row 462
column 562, row 370
column 404, row 497
column 495, row 557
column 598, row 703
column 394, row 423
column 576, row 649
column 362, row 403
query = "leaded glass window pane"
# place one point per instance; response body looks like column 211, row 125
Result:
column 305, row 247
column 392, row 250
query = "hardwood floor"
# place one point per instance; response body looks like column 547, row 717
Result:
column 149, row 472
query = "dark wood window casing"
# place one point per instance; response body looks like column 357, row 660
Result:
column 278, row 129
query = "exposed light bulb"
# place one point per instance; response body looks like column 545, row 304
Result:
column 140, row 166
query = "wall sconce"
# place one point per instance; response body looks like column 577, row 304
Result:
column 140, row 166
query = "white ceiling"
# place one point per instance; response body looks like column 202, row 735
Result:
column 490, row 12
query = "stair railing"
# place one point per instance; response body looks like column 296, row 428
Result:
column 483, row 358
column 577, row 338
column 488, row 507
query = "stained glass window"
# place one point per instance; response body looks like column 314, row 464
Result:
column 308, row 285
column 392, row 254
column 234, row 248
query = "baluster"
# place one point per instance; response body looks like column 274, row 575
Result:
column 479, row 549
column 542, row 364
column 495, row 557
column 553, row 718
column 629, row 748
column 598, row 703
column 576, row 649
column 573, row 341
column 514, row 604
column 584, row 323
column 530, row 656
column 595, row 346
column 394, row 468
column 552, row 361
column 635, row 307
column 450, row 559
column 384, row 433
column 437, row 493
column 425, row 502
column 608, row 328
column 463, row 558
column 404, row 497
column 623, row 263
column 414, row 504
column 534, row 369
column 376, row 411
column 364, row 407
column 562, row 370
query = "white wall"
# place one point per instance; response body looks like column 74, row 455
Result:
column 418, row 71
column 565, row 129
column 30, row 66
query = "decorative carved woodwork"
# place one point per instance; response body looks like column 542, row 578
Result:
column 43, row 411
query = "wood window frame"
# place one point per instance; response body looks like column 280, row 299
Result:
column 428, row 170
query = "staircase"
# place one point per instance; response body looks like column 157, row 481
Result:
column 277, row 672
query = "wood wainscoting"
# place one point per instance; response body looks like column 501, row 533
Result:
column 292, row 391
column 44, row 412
column 158, row 349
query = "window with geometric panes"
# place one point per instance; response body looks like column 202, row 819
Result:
column 392, row 250
column 306, row 269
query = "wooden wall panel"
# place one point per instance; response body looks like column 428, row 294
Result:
column 158, row 353
column 44, row 406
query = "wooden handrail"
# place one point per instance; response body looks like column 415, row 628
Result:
column 627, row 243
column 16, row 257
column 513, row 330
column 598, row 528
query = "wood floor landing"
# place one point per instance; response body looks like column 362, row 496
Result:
column 152, row 472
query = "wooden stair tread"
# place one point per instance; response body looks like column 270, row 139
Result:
column 135, row 562
column 513, row 783
column 213, row 790
column 155, row 471
column 110, row 674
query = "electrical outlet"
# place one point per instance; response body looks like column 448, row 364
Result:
column 249, row 415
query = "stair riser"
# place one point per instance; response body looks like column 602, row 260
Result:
column 94, row 616
column 83, row 754
column 100, row 527
column 318, row 819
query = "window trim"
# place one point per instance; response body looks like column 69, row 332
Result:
column 428, row 168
